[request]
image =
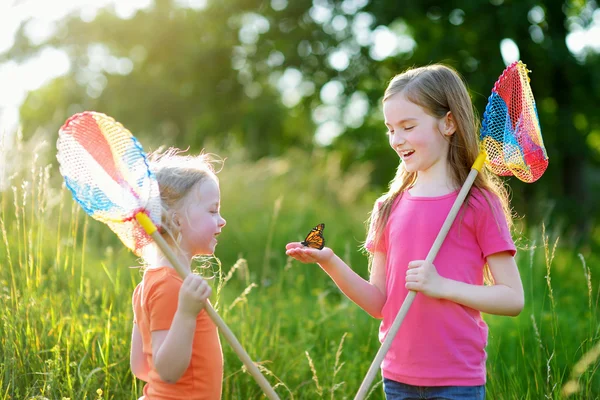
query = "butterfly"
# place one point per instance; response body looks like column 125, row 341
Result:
column 315, row 238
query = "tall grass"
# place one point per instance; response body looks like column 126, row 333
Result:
column 66, row 285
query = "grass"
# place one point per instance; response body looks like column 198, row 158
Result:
column 66, row 285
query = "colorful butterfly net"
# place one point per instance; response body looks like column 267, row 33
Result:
column 107, row 171
column 510, row 131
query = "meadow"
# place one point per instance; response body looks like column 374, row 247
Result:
column 66, row 284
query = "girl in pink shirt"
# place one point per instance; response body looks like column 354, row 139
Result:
column 439, row 351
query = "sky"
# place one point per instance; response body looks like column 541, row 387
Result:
column 41, row 17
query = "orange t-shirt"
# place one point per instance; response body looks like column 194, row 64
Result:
column 154, row 304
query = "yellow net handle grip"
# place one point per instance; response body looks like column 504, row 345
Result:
column 146, row 223
column 478, row 164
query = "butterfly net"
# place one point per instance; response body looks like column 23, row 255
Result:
column 510, row 131
column 107, row 171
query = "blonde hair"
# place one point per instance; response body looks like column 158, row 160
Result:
column 440, row 89
column 177, row 174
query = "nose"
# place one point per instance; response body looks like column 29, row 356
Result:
column 396, row 140
column 222, row 221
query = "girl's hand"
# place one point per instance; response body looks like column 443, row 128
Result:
column 308, row 255
column 192, row 295
column 422, row 276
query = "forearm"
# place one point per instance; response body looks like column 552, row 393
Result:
column 174, row 355
column 496, row 299
column 366, row 295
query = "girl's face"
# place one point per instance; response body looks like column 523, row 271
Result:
column 417, row 137
column 199, row 219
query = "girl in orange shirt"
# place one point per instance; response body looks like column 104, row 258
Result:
column 175, row 346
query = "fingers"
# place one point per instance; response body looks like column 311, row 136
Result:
column 204, row 291
column 413, row 275
column 412, row 278
column 309, row 255
column 190, row 282
column 302, row 254
column 416, row 263
column 192, row 295
column 293, row 245
column 196, row 287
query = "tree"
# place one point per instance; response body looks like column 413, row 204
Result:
column 256, row 72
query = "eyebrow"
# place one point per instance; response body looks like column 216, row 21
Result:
column 401, row 121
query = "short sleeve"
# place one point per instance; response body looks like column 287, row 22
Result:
column 493, row 234
column 162, row 303
column 370, row 243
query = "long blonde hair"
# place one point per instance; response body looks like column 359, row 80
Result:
column 440, row 89
column 176, row 174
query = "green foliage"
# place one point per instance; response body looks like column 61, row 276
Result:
column 184, row 76
column 181, row 89
column 65, row 290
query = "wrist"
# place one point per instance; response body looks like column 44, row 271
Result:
column 185, row 316
column 328, row 264
column 446, row 288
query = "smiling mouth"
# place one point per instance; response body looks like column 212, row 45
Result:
column 406, row 153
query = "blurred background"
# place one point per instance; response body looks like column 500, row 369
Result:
column 289, row 93
column 270, row 76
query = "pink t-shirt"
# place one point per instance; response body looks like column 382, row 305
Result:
column 440, row 343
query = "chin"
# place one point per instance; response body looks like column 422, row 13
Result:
column 205, row 252
column 210, row 251
column 409, row 169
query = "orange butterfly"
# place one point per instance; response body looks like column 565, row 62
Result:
column 315, row 238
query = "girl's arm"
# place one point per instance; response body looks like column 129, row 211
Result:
column 137, row 361
column 370, row 296
column 505, row 297
column 172, row 348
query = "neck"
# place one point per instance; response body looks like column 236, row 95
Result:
column 435, row 181
column 183, row 260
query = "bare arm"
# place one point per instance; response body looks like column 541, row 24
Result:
column 172, row 348
column 370, row 296
column 137, row 361
column 505, row 297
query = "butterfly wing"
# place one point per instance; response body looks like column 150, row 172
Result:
column 315, row 238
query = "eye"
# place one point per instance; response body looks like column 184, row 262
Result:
column 408, row 128
column 389, row 132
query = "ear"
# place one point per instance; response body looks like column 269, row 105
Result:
column 175, row 220
column 449, row 124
